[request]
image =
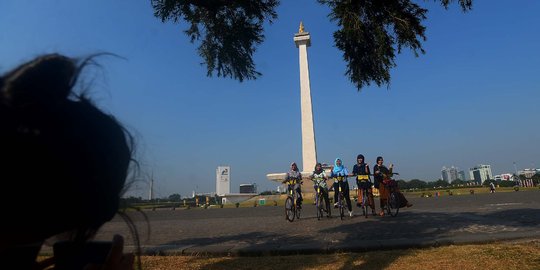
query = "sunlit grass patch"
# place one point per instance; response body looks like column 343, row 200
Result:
column 521, row 255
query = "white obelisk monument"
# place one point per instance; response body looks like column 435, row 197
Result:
column 309, row 151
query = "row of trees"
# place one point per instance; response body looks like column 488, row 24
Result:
column 411, row 184
column 134, row 200
column 419, row 184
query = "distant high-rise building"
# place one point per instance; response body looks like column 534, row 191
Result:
column 444, row 174
column 450, row 174
column 480, row 173
column 461, row 176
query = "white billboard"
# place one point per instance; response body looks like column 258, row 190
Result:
column 223, row 180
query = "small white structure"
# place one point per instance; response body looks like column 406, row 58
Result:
column 223, row 180
column 505, row 177
column 236, row 197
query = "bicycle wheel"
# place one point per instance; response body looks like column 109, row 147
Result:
column 393, row 204
column 298, row 209
column 371, row 203
column 341, row 207
column 328, row 211
column 319, row 204
column 289, row 209
column 365, row 203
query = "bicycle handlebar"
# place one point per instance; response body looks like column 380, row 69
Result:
column 292, row 182
column 393, row 173
column 318, row 181
column 339, row 178
column 370, row 174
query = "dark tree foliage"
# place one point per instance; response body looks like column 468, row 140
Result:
column 370, row 32
column 125, row 202
column 175, row 197
column 416, row 183
column 440, row 183
column 488, row 182
column 229, row 31
column 458, row 182
column 402, row 184
column 506, row 183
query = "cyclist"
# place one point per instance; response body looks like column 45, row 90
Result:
column 491, row 187
column 341, row 171
column 319, row 179
column 382, row 175
column 295, row 178
column 361, row 171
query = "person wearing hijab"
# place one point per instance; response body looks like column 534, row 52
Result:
column 319, row 180
column 295, row 177
column 361, row 171
column 341, row 171
column 382, row 174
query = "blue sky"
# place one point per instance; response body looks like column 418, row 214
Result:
column 471, row 99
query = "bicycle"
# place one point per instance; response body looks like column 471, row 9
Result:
column 319, row 201
column 393, row 202
column 341, row 197
column 291, row 203
column 365, row 201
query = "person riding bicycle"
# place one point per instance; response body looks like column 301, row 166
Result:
column 361, row 171
column 294, row 179
column 340, row 171
column 319, row 180
column 383, row 177
column 491, row 187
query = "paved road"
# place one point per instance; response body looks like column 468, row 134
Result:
column 263, row 230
